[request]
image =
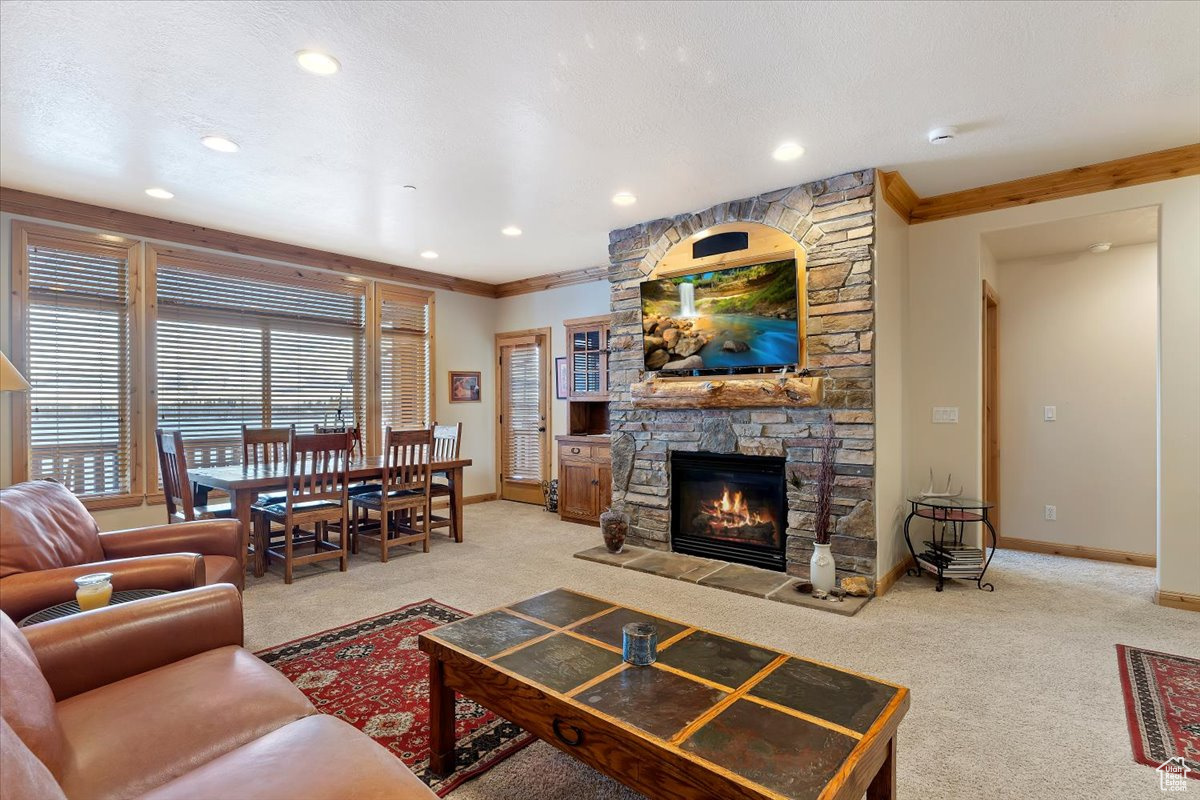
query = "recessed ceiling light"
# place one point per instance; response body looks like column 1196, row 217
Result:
column 159, row 192
column 220, row 144
column 942, row 135
column 624, row 199
column 1099, row 247
column 511, row 230
column 317, row 63
column 788, row 151
column 428, row 254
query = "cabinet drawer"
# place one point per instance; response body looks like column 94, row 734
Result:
column 601, row 453
column 577, row 451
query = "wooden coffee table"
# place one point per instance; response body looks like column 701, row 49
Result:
column 714, row 717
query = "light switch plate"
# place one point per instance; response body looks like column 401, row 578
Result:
column 1050, row 413
column 945, row 414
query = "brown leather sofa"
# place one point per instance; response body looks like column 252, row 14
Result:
column 157, row 699
column 48, row 538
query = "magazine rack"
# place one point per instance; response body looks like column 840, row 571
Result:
column 944, row 554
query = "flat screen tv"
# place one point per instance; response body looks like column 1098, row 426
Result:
column 728, row 318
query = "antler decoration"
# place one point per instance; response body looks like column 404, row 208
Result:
column 931, row 492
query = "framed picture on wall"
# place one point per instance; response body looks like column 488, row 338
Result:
column 464, row 387
column 560, row 378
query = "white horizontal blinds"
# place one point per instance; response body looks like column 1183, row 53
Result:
column 404, row 360
column 79, row 366
column 257, row 348
column 585, row 361
column 522, row 412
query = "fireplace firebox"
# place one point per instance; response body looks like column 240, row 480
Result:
column 729, row 507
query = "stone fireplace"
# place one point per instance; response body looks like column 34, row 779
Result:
column 729, row 507
column 833, row 222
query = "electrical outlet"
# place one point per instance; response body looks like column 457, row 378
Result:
column 945, row 414
column 1051, row 513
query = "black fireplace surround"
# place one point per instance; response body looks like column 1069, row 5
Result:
column 729, row 507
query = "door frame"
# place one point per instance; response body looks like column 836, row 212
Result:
column 991, row 399
column 543, row 335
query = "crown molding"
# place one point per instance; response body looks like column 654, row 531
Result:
column 898, row 194
column 1162, row 165
column 553, row 280
column 40, row 206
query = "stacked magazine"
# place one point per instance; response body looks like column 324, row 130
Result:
column 953, row 559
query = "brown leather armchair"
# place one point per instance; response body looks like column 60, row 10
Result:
column 157, row 699
column 48, row 538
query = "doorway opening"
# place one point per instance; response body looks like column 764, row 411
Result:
column 1069, row 385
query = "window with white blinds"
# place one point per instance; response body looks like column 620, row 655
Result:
column 260, row 349
column 78, row 363
column 522, row 412
column 405, row 358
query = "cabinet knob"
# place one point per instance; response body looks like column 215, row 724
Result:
column 595, row 482
column 575, row 450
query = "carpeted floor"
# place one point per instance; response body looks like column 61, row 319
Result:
column 1015, row 694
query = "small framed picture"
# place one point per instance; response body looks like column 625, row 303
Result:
column 464, row 387
column 560, row 378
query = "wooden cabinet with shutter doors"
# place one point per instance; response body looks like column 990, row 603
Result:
column 584, row 478
column 587, row 358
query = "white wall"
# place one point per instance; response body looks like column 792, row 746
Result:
column 943, row 363
column 464, row 325
column 1078, row 332
column 891, row 287
column 549, row 309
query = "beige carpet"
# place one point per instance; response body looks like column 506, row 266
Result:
column 1015, row 694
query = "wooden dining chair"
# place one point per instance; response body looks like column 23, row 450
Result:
column 447, row 443
column 177, row 487
column 403, row 502
column 316, row 496
column 265, row 447
column 353, row 430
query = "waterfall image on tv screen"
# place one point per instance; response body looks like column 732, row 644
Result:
column 735, row 317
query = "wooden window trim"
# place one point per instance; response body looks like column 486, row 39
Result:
column 142, row 258
column 378, row 292
column 23, row 233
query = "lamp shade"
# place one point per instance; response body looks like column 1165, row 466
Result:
column 10, row 379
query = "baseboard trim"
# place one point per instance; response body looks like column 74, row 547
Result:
column 478, row 498
column 1183, row 600
column 1078, row 551
column 889, row 578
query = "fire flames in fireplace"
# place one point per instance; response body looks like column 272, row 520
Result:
column 731, row 515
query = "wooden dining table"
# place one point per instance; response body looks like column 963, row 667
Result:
column 244, row 484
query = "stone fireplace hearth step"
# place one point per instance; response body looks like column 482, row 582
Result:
column 738, row 578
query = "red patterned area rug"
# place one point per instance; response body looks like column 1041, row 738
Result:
column 1162, row 705
column 371, row 674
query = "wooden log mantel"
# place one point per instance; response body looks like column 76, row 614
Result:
column 757, row 392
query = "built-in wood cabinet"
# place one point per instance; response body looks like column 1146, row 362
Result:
column 584, row 478
column 587, row 358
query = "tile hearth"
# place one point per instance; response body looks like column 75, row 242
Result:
column 720, row 575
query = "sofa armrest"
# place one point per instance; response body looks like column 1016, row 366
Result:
column 85, row 651
column 24, row 593
column 208, row 537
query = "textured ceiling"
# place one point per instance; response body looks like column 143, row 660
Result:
column 534, row 114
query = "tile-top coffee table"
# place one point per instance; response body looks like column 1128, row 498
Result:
column 715, row 717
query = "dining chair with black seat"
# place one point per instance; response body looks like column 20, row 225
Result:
column 404, row 499
column 447, row 443
column 177, row 487
column 316, row 496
